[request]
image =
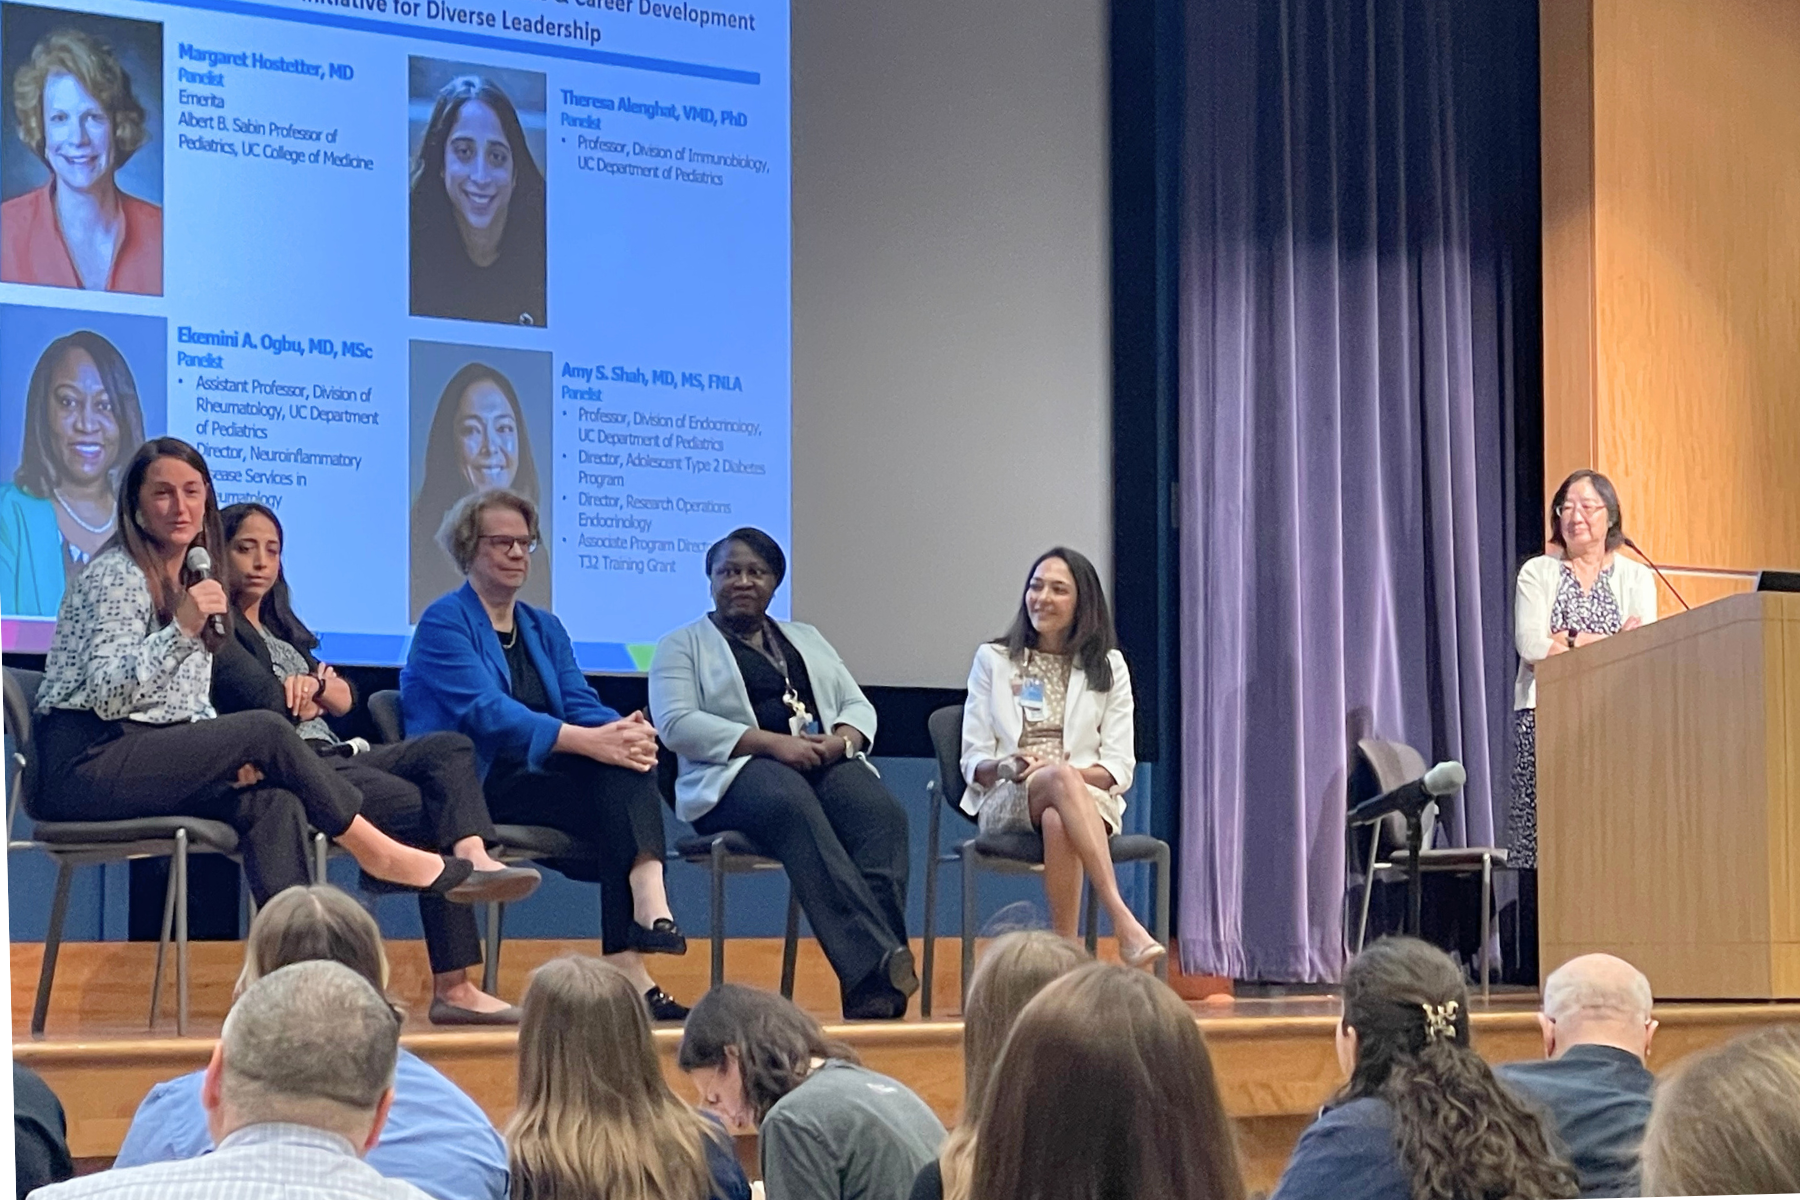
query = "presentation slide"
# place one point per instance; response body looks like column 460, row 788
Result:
column 370, row 256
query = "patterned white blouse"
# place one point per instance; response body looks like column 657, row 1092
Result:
column 113, row 656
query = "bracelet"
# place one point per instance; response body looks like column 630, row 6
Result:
column 849, row 749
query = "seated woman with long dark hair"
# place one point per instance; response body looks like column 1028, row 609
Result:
column 772, row 736
column 828, row 1127
column 423, row 790
column 1422, row 1117
column 595, row 1116
column 1047, row 740
column 128, row 728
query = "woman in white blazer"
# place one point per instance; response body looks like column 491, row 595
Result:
column 772, row 737
column 1047, row 740
column 1579, row 593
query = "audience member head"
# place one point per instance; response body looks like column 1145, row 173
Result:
column 1597, row 1000
column 1085, row 1101
column 595, row 1116
column 1404, row 1039
column 1064, row 602
column 745, row 1049
column 1016, row 968
column 310, row 1044
column 1727, row 1122
column 310, row 923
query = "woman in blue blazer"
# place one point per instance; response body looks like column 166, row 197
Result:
column 484, row 664
column 773, row 734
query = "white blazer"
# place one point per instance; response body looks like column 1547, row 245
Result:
column 1633, row 588
column 1097, row 726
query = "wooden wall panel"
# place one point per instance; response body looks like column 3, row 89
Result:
column 1566, row 66
column 1696, row 271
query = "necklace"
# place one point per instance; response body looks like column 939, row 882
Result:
column 509, row 643
column 73, row 516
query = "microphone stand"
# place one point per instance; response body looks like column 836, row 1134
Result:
column 1414, row 813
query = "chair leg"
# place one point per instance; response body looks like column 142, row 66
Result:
column 1091, row 927
column 930, row 963
column 162, row 944
column 1487, row 904
column 59, row 911
column 321, row 856
column 1362, row 925
column 790, row 949
column 181, row 932
column 968, row 922
column 718, row 912
column 490, row 966
column 1160, row 917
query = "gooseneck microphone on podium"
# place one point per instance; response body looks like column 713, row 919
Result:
column 200, row 563
column 1411, row 800
column 1651, row 563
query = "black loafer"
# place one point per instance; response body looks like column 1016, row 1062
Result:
column 494, row 887
column 661, row 937
column 455, row 871
column 664, row 1007
column 444, row 1013
column 898, row 967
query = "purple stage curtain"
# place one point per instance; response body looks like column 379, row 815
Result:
column 1359, row 203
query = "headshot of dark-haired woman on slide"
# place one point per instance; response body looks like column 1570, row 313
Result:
column 478, row 441
column 477, row 211
column 82, row 424
column 74, row 107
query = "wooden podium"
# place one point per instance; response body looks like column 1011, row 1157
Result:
column 1669, row 801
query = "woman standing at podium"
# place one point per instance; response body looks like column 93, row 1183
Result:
column 1573, row 596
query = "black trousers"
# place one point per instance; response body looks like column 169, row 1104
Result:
column 615, row 809
column 190, row 769
column 842, row 838
column 424, row 792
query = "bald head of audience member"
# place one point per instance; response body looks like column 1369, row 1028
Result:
column 1597, row 1000
column 311, row 1044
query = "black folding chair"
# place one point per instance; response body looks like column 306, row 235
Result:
column 1011, row 854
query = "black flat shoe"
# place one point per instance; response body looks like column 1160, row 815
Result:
column 883, row 1006
column 664, row 1007
column 456, row 871
column 445, row 1013
column 494, row 887
column 898, row 966
column 661, row 937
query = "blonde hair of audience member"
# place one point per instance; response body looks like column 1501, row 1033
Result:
column 1404, row 1039
column 305, row 923
column 1016, row 968
column 1597, row 1000
column 595, row 1116
column 1727, row 1122
column 312, row 1043
column 1104, row 1089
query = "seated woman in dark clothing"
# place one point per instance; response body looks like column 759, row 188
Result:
column 1422, row 1116
column 423, row 790
column 486, row 664
column 772, row 735
column 127, row 727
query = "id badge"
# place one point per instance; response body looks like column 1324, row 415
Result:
column 1031, row 696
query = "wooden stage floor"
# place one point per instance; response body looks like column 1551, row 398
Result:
column 1275, row 1059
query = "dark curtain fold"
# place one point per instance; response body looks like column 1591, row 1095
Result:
column 1358, row 311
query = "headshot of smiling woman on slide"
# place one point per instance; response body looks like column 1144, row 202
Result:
column 477, row 211
column 82, row 425
column 478, row 440
column 74, row 107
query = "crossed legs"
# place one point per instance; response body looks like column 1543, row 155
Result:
column 1075, row 841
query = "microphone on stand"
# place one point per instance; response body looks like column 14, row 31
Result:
column 200, row 563
column 1412, row 798
column 1639, row 551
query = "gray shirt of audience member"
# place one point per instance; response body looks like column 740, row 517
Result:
column 1598, row 1101
column 847, row 1133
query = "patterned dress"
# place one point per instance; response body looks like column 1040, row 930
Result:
column 1008, row 807
column 1593, row 611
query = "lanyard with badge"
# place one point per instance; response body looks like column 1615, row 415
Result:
column 1028, row 689
column 800, row 721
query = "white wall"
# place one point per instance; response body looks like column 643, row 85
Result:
column 951, row 307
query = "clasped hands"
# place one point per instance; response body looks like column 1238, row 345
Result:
column 628, row 742
column 807, row 752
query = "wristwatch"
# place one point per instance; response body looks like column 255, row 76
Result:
column 1570, row 635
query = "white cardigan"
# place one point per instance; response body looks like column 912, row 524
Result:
column 1098, row 727
column 1633, row 588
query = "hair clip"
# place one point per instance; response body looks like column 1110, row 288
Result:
column 1440, row 1020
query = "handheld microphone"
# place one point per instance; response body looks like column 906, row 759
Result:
column 200, row 563
column 1639, row 551
column 1412, row 798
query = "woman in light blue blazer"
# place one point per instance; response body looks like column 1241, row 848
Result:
column 772, row 734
